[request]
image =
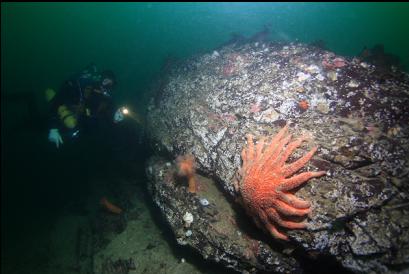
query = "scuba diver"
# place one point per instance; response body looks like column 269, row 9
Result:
column 83, row 103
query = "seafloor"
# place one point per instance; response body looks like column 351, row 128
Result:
column 74, row 233
column 92, row 240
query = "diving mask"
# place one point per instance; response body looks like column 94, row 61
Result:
column 106, row 86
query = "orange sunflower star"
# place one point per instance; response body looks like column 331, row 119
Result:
column 266, row 182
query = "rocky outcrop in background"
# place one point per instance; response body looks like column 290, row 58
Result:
column 356, row 113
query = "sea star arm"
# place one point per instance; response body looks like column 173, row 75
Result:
column 297, row 165
column 297, row 180
column 271, row 228
column 294, row 201
column 271, row 160
column 289, row 150
column 259, row 148
column 271, row 150
column 288, row 210
column 274, row 216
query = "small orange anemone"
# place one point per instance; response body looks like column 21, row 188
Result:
column 304, row 105
column 186, row 168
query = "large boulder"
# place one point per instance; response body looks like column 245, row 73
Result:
column 357, row 115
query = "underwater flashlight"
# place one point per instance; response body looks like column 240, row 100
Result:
column 125, row 111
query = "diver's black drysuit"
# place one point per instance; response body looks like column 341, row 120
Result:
column 81, row 104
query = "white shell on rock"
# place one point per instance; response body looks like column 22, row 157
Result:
column 188, row 219
column 204, row 202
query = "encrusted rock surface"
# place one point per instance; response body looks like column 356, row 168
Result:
column 214, row 230
column 358, row 116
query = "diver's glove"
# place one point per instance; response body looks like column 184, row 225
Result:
column 55, row 137
column 119, row 115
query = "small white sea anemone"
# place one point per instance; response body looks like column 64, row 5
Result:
column 188, row 219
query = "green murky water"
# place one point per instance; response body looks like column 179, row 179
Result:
column 44, row 43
